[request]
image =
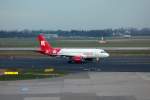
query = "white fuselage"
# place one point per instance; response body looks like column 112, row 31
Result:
column 77, row 55
column 85, row 53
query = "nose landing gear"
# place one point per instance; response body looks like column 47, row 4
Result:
column 97, row 59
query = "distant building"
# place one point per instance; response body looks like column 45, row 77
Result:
column 127, row 36
column 51, row 35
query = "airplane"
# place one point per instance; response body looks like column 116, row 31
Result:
column 75, row 55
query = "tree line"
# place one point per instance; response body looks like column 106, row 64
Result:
column 85, row 33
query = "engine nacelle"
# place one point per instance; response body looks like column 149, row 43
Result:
column 77, row 59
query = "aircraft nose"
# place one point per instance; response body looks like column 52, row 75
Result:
column 107, row 55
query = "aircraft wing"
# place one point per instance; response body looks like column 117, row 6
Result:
column 75, row 55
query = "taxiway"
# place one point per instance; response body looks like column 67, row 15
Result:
column 111, row 64
column 113, row 78
column 81, row 86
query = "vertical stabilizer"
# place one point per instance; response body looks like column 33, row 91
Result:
column 45, row 47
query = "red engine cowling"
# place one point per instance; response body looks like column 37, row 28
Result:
column 77, row 59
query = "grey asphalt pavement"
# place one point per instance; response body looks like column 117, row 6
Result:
column 111, row 64
column 113, row 78
column 81, row 86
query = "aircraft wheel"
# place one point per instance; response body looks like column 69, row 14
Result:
column 70, row 62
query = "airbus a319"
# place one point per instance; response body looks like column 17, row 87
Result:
column 74, row 55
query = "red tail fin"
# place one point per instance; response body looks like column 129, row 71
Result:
column 45, row 47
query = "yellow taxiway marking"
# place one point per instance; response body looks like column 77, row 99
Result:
column 11, row 73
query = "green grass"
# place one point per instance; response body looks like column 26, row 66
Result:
column 19, row 53
column 21, row 77
column 95, row 43
column 31, row 73
column 18, row 42
column 32, row 42
column 129, row 52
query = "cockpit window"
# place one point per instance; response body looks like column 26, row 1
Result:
column 103, row 52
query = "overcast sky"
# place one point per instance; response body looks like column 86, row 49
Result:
column 73, row 14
